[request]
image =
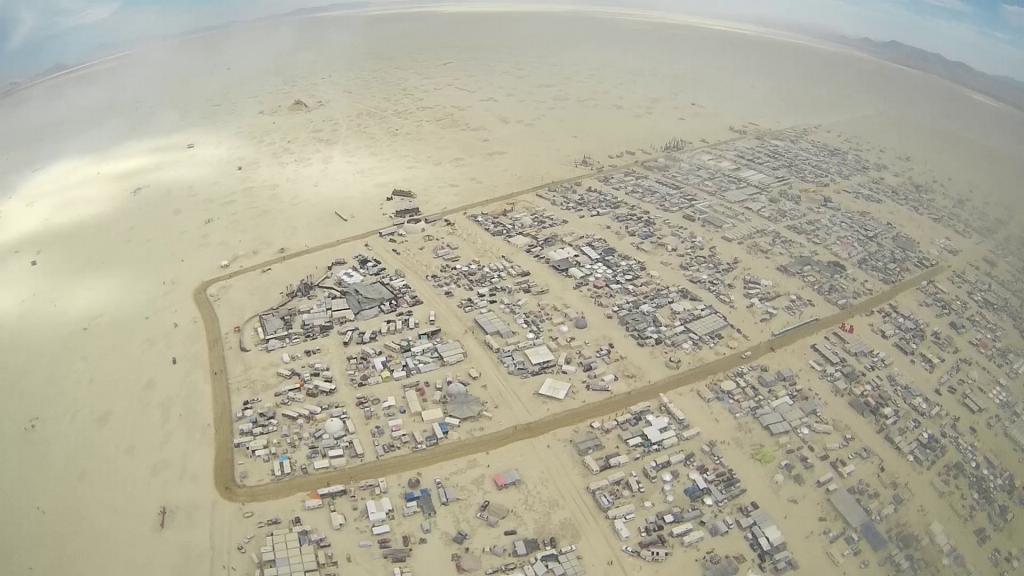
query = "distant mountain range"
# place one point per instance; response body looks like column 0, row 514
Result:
column 1003, row 89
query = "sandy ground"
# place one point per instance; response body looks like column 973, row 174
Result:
column 101, row 188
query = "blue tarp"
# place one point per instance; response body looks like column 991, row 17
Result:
column 693, row 492
column 426, row 502
column 875, row 538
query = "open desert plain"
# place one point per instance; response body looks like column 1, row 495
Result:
column 439, row 291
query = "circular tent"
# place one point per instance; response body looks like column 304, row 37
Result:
column 456, row 389
column 334, row 427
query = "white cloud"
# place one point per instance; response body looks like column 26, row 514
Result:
column 24, row 20
column 79, row 16
column 1014, row 15
column 19, row 26
column 957, row 5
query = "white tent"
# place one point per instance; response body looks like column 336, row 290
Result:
column 334, row 427
column 555, row 389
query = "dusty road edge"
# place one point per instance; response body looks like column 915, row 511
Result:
column 224, row 467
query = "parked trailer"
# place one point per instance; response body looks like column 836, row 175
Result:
column 325, row 387
column 620, row 529
column 616, row 477
column 621, row 512
column 331, row 491
column 693, row 538
column 681, row 530
column 690, row 433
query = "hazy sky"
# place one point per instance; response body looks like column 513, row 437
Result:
column 988, row 34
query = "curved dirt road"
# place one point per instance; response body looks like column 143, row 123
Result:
column 224, row 463
column 223, row 468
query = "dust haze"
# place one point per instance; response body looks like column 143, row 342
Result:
column 126, row 185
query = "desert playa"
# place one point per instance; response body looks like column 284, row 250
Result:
column 641, row 246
